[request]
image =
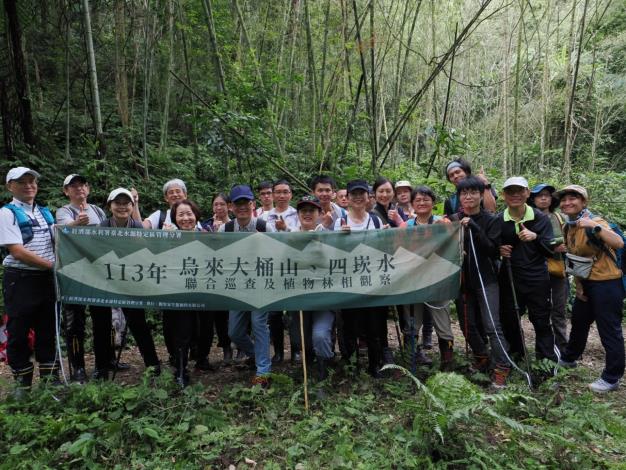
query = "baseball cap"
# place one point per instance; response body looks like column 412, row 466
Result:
column 120, row 192
column 572, row 188
column 309, row 201
column 357, row 184
column 18, row 172
column 515, row 181
column 404, row 184
column 69, row 179
column 540, row 187
column 241, row 191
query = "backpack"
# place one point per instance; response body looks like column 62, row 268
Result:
column 162, row 217
column 261, row 226
column 374, row 218
column 96, row 209
column 25, row 223
column 620, row 256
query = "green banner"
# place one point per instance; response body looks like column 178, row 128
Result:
column 257, row 271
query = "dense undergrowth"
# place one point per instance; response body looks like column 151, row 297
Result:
column 446, row 422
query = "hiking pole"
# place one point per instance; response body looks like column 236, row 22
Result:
column 509, row 271
column 119, row 353
column 67, row 335
column 413, row 335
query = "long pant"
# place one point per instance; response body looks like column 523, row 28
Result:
column 75, row 334
column 220, row 323
column 238, row 331
column 532, row 295
column 486, row 313
column 604, row 306
column 559, row 289
column 370, row 320
column 318, row 328
column 427, row 322
column 339, row 334
column 102, row 344
column 277, row 331
column 168, row 320
column 185, row 323
column 29, row 302
column 439, row 313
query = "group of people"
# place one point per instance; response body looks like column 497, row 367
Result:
column 515, row 261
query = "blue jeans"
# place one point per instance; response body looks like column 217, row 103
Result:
column 604, row 306
column 260, row 349
column 318, row 328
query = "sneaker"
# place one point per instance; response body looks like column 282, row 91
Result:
column 296, row 357
column 480, row 364
column 79, row 375
column 602, row 386
column 204, row 365
column 278, row 358
column 567, row 364
column 262, row 380
column 388, row 356
column 422, row 359
column 228, row 355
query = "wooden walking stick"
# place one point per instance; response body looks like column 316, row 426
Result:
column 303, row 348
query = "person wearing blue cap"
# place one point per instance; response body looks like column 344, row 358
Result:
column 242, row 199
column 541, row 197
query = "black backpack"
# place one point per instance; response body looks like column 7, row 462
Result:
column 261, row 226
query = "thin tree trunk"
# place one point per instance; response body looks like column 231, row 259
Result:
column 217, row 60
column 168, row 86
column 313, row 74
column 516, row 97
column 67, row 14
column 545, row 88
column 121, row 75
column 570, row 135
column 93, row 78
column 19, row 72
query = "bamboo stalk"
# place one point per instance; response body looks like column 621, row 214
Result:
column 303, row 349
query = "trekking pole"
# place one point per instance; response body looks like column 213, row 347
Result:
column 119, row 353
column 66, row 331
column 413, row 334
column 509, row 271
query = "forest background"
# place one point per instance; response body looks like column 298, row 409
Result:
column 218, row 92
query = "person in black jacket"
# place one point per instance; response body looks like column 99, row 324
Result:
column 121, row 203
column 481, row 296
column 525, row 242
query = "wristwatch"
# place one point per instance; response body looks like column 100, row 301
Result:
column 596, row 229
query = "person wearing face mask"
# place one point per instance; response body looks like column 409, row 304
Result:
column 121, row 205
column 591, row 259
column 526, row 239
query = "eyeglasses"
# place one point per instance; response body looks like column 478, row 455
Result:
column 470, row 193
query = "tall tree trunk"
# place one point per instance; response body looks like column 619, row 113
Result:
column 215, row 53
column 93, row 79
column 515, row 165
column 121, row 75
column 67, row 15
column 168, row 82
column 315, row 102
column 19, row 71
column 545, row 88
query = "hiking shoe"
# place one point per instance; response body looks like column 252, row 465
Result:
column 480, row 364
column 498, row 379
column 204, row 365
column 262, row 380
column 388, row 356
column 567, row 364
column 121, row 366
column 296, row 357
column 79, row 375
column 228, row 355
column 422, row 359
column 602, row 386
column 278, row 358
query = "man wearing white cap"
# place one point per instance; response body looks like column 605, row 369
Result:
column 525, row 242
column 28, row 284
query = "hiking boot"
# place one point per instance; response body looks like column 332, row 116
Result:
column 100, row 374
column 240, row 356
column 602, row 386
column 278, row 358
column 446, row 353
column 296, row 357
column 263, row 380
column 182, row 379
column 480, row 363
column 228, row 355
column 23, row 381
column 49, row 373
column 499, row 377
column 203, row 365
column 567, row 364
column 422, row 359
column 121, row 366
column 79, row 376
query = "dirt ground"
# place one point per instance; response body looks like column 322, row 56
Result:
column 224, row 374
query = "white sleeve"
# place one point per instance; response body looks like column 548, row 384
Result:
column 154, row 219
column 10, row 233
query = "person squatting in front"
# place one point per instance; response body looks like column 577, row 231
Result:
column 28, row 283
column 479, row 287
column 242, row 200
column 525, row 241
column 121, row 203
column 591, row 259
